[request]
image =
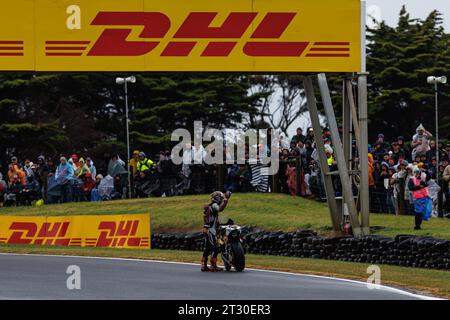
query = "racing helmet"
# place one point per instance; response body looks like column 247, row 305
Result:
column 217, row 197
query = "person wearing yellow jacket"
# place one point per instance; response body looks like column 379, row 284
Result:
column 134, row 161
column 143, row 164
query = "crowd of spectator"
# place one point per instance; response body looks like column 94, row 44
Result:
column 391, row 165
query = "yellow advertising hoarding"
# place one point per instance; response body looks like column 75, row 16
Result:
column 181, row 35
column 114, row 231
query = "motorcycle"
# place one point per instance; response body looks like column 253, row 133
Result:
column 231, row 246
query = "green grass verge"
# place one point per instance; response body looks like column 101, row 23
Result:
column 267, row 211
column 425, row 281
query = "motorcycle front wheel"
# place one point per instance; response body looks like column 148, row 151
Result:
column 238, row 256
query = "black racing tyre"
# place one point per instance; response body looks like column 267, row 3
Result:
column 238, row 256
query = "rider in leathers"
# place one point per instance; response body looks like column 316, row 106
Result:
column 211, row 223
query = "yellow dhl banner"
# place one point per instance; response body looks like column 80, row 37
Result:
column 181, row 35
column 114, row 231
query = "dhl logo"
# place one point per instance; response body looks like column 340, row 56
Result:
column 264, row 40
column 110, row 234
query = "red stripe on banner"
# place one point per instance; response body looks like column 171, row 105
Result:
column 11, row 42
column 275, row 49
column 330, row 49
column 62, row 54
column 65, row 48
column 62, row 242
column 11, row 53
column 67, row 42
column 332, row 43
column 11, row 48
column 326, row 55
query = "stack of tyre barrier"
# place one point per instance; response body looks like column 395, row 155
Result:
column 403, row 250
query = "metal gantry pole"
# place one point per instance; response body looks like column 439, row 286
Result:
column 363, row 130
column 335, row 214
column 354, row 112
column 340, row 157
column 128, row 139
column 363, row 153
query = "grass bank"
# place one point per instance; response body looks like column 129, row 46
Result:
column 267, row 211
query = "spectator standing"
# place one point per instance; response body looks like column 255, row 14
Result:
column 42, row 172
column 418, row 184
column 381, row 147
column 421, row 142
column 64, row 175
column 298, row 136
column 27, row 169
column 16, row 175
column 134, row 161
column 446, row 186
column 92, row 168
column 447, row 151
column 397, row 152
column 144, row 165
column 396, row 179
column 15, row 162
column 74, row 158
column 403, row 147
column 87, row 186
column 82, row 169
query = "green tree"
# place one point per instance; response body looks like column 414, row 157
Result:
column 399, row 61
column 55, row 114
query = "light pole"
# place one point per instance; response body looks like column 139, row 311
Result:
column 125, row 82
column 435, row 80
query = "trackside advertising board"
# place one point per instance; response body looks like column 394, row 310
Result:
column 181, row 35
column 114, row 231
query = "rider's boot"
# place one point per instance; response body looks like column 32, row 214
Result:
column 214, row 266
column 204, row 266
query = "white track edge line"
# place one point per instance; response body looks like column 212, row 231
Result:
column 387, row 288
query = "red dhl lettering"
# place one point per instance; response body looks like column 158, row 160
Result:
column 111, row 234
column 113, row 41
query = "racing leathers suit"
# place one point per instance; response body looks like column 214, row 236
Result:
column 210, row 226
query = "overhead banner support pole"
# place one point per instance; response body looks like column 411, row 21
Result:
column 354, row 111
column 340, row 157
column 363, row 147
column 335, row 214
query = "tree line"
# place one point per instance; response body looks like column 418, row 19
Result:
column 64, row 113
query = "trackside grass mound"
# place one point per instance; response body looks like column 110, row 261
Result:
column 268, row 211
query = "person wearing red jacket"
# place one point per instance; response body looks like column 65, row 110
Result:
column 88, row 185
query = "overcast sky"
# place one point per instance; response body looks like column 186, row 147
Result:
column 389, row 9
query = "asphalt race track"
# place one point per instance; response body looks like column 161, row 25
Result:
column 45, row 277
